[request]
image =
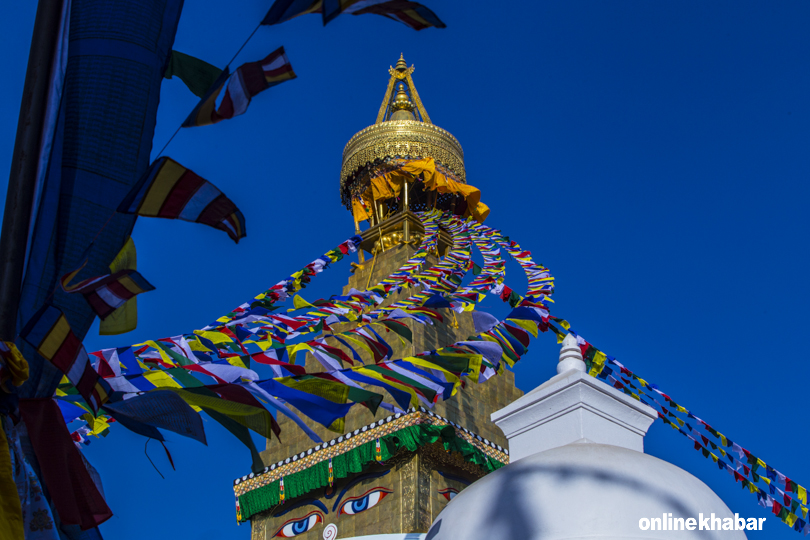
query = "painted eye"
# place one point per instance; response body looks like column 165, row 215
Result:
column 294, row 527
column 448, row 493
column 362, row 503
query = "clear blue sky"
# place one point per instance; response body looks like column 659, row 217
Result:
column 652, row 154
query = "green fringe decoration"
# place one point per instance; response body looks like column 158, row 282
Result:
column 355, row 460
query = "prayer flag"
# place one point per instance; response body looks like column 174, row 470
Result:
column 63, row 471
column 197, row 74
column 125, row 318
column 411, row 14
column 247, row 81
column 50, row 334
column 169, row 190
column 284, row 10
column 316, row 398
column 67, row 278
column 107, row 293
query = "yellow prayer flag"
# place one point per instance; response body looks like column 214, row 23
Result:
column 360, row 343
column 125, row 318
column 292, row 350
column 791, row 519
column 299, row 303
column 214, row 337
column 196, row 345
column 163, row 354
column 161, row 379
column 529, row 326
column 263, row 345
column 599, row 359
column 802, row 493
column 237, row 361
column 98, row 426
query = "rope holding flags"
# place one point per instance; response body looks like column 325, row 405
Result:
column 770, row 486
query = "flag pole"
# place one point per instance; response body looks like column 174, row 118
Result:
column 24, row 161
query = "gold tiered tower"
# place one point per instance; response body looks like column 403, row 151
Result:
column 407, row 492
column 403, row 130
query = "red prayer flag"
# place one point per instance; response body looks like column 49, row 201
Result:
column 72, row 490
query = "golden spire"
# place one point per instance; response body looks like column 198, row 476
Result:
column 402, row 73
column 403, row 130
column 402, row 107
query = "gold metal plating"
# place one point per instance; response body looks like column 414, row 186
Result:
column 397, row 237
column 402, row 138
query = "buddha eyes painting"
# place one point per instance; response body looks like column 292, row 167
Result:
column 453, row 484
column 346, row 504
column 294, row 527
column 362, row 503
column 448, row 493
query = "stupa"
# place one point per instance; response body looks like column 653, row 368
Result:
column 403, row 493
column 441, row 472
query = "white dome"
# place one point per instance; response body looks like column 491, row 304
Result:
column 580, row 490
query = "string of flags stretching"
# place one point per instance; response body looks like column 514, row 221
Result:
column 772, row 491
column 420, row 388
column 232, row 337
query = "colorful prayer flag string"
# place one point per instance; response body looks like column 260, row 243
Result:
column 776, row 485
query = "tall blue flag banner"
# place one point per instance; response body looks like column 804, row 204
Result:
column 50, row 334
column 117, row 52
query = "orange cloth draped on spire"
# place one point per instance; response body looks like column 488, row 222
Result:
column 390, row 184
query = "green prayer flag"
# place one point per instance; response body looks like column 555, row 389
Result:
column 369, row 399
column 195, row 73
column 184, row 377
column 398, row 328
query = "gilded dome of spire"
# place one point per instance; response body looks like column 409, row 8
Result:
column 403, row 130
column 402, row 106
